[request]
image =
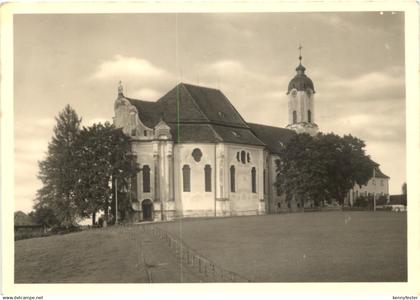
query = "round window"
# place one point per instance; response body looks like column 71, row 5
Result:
column 197, row 154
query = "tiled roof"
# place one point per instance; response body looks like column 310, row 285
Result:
column 205, row 115
column 273, row 137
column 199, row 133
column 150, row 113
column 215, row 106
column 180, row 99
column 379, row 174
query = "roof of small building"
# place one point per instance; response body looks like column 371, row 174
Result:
column 273, row 137
column 378, row 172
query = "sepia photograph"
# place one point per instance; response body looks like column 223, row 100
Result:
column 210, row 147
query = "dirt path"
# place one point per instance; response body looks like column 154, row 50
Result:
column 112, row 255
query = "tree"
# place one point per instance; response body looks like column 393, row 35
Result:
column 21, row 218
column 404, row 188
column 323, row 167
column 57, row 196
column 103, row 156
column 347, row 164
column 44, row 215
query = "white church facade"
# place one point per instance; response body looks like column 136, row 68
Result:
column 199, row 157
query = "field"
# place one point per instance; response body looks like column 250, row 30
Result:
column 300, row 247
column 111, row 255
column 309, row 247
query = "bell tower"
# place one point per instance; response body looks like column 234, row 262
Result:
column 301, row 101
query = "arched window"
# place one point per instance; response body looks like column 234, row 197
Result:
column 207, row 178
column 294, row 117
column 309, row 116
column 232, row 179
column 146, row 179
column 186, row 178
column 254, row 180
column 243, row 157
column 278, row 189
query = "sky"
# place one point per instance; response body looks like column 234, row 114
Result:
column 355, row 59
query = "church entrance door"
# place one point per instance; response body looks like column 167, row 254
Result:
column 147, row 208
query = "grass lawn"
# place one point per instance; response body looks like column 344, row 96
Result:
column 300, row 247
column 111, row 255
column 303, row 247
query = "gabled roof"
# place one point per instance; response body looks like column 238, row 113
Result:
column 378, row 172
column 204, row 115
column 215, row 106
column 273, row 137
column 179, row 100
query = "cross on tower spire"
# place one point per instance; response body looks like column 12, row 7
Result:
column 300, row 53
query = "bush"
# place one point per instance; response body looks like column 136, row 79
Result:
column 64, row 230
column 361, row 202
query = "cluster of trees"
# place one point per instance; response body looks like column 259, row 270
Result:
column 322, row 167
column 79, row 170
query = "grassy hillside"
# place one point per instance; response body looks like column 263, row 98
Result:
column 308, row 247
column 303, row 247
column 112, row 255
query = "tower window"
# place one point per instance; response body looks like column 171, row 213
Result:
column 309, row 116
column 145, row 132
column 232, row 179
column 243, row 157
column 254, row 180
column 186, row 178
column 294, row 117
column 146, row 179
column 207, row 178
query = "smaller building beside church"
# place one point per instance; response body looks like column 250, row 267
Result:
column 376, row 187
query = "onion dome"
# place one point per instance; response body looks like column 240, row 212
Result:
column 300, row 82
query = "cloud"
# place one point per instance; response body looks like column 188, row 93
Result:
column 146, row 94
column 122, row 66
column 140, row 77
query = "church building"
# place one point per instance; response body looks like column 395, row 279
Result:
column 199, row 157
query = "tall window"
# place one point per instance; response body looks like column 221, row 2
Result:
column 254, row 180
column 232, row 179
column 264, row 188
column 186, row 178
column 146, row 179
column 309, row 116
column 134, row 185
column 207, row 178
column 294, row 117
column 278, row 189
